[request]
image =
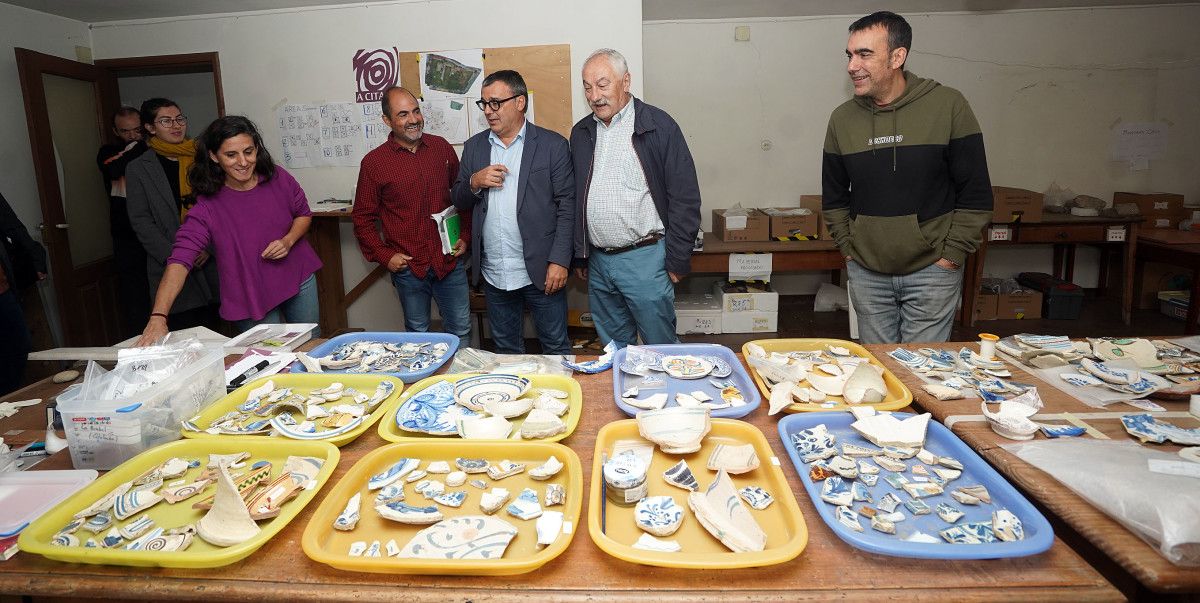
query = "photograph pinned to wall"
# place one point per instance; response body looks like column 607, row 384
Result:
column 300, row 135
column 341, row 134
column 447, row 73
column 446, row 117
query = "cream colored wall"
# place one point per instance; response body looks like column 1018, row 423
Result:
column 23, row 28
column 1046, row 85
column 304, row 55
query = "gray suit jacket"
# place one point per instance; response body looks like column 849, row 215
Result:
column 545, row 200
column 155, row 218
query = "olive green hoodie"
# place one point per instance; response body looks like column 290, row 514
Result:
column 906, row 184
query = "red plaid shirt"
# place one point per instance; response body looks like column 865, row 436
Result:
column 402, row 189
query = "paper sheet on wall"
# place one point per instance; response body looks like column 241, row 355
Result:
column 341, row 135
column 374, row 131
column 750, row 267
column 1138, row 143
column 300, row 134
column 446, row 117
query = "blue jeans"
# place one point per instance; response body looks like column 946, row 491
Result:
column 904, row 308
column 300, row 308
column 630, row 295
column 506, row 315
column 452, row 296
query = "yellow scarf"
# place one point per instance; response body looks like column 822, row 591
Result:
column 184, row 152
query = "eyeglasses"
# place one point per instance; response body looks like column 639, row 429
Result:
column 494, row 104
column 167, row 121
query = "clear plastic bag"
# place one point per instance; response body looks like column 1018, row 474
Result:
column 471, row 360
column 1114, row 476
column 831, row 297
column 138, row 369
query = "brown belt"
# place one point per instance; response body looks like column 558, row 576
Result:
column 650, row 240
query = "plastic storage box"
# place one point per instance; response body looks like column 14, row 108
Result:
column 105, row 433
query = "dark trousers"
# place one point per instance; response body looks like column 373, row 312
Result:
column 133, row 289
column 506, row 315
column 14, row 342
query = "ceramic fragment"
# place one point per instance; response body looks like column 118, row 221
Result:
column 432, row 410
column 389, row 493
column 526, row 505
column 836, row 491
column 820, row 472
column 917, row 507
column 137, row 527
column 722, row 513
column 922, row 489
column 686, row 400
column 490, row 502
column 652, row 402
column 391, row 548
column 508, row 408
column 781, row 397
column 61, row 539
column 890, row 464
column 478, row 483
column 451, row 499
column 542, row 424
column 756, row 497
column 843, row 466
column 270, row 499
column 686, row 367
column 860, row 492
column 443, row 467
column 947, row 475
column 99, row 522
column 865, row 468
column 894, row 516
column 856, row 451
column 849, row 518
column 456, row 479
column 658, row 515
column 886, row 430
column 864, row 385
column 1006, row 526
column 348, row 518
column 402, row 512
column 547, row 470
column 111, row 539
column 882, row 525
column 868, row 479
column 630, row 393
column 471, row 465
column 890, row 502
column 676, row 430
column 680, row 476
column 175, row 494
column 647, row 542
column 949, row 513
column 554, row 405
column 733, row 459
column 942, row 392
column 971, row 495
column 467, row 537
column 429, row 488
column 896, row 480
column 416, row 476
column 483, row 428
column 228, row 522
column 106, row 502
column 477, row 392
column 549, row 526
column 357, row 548
column 304, row 470
column 556, row 494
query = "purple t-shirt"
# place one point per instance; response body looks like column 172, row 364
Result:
column 239, row 225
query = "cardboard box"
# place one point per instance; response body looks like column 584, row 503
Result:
column 986, row 306
column 697, row 313
column 750, row 322
column 813, row 202
column 785, row 222
column 1019, row 304
column 1161, row 210
column 767, row 301
column 1016, row 205
column 755, row 226
column 1157, row 277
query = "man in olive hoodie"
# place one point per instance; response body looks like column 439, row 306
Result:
column 905, row 186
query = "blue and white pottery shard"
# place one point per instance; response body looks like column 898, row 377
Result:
column 808, row 441
column 1080, row 379
column 382, row 391
column 869, row 479
column 849, row 518
column 477, row 392
column 526, row 505
column 433, row 411
column 137, row 527
column 451, row 499
column 307, row 431
column 1006, row 526
column 959, row 535
column 133, row 502
column 721, row 368
column 349, row 516
column 681, row 476
column 658, row 515
column 980, row 530
column 402, row 512
column 1062, row 431
column 836, row 491
column 394, row 472
column 756, row 497
column 111, row 539
column 949, row 513
column 860, row 492
column 390, row 493
column 907, row 358
column 1110, row 374
column 467, row 537
column 1148, row 429
column 917, row 506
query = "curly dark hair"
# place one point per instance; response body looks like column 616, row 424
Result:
column 207, row 176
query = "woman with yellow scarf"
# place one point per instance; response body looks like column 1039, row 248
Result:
column 158, row 198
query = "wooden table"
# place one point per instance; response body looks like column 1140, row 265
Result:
column 1064, row 231
column 1178, row 248
column 828, row 568
column 1124, row 558
column 787, row 256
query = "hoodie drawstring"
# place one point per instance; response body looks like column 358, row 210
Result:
column 895, row 135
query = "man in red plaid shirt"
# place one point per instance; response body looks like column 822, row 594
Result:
column 401, row 184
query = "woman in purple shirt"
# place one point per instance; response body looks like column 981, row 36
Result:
column 253, row 216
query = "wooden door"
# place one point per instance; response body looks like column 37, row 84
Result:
column 67, row 105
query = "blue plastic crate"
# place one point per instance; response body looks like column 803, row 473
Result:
column 739, row 376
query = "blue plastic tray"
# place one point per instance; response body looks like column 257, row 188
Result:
column 389, row 337
column 739, row 376
column 942, row 442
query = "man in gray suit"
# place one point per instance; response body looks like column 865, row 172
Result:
column 517, row 180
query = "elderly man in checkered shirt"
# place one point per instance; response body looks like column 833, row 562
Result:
column 639, row 207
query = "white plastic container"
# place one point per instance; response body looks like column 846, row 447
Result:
column 105, row 433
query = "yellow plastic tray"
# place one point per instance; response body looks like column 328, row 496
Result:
column 897, row 396
column 391, row 432
column 787, row 534
column 36, row 538
column 302, row 383
column 324, row 544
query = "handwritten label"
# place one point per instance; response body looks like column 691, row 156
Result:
column 1115, row 234
column 999, row 233
column 750, row 267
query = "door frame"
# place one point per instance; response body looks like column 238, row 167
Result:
column 169, row 64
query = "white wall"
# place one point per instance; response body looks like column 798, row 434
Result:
column 195, row 92
column 1046, row 86
column 23, row 28
column 304, row 55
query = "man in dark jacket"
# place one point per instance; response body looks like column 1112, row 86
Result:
column 516, row 180
column 905, row 186
column 638, row 207
column 14, row 333
column 129, row 257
